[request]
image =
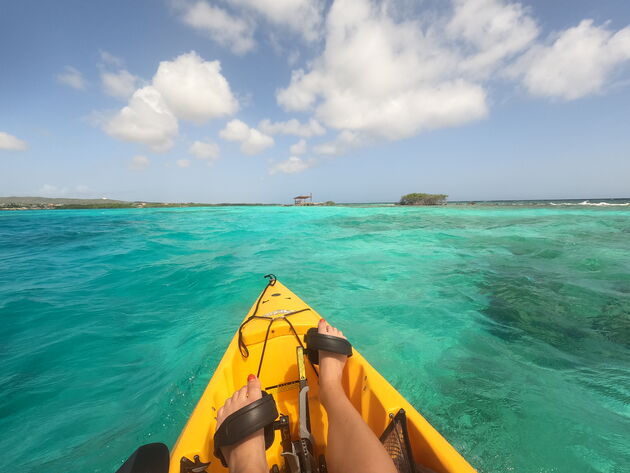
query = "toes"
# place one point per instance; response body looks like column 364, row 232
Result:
column 240, row 397
column 241, row 394
column 236, row 395
column 321, row 326
column 253, row 388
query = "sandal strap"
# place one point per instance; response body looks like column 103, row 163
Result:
column 244, row 422
column 316, row 341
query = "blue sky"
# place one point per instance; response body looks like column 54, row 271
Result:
column 354, row 101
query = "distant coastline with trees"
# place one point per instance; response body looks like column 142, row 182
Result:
column 419, row 198
column 47, row 203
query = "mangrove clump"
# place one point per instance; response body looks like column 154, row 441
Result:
column 419, row 198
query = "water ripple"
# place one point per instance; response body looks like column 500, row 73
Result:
column 508, row 328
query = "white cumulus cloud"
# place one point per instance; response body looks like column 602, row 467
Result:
column 195, row 89
column 293, row 127
column 252, row 140
column 139, row 163
column 183, row 163
column 343, row 142
column 205, row 150
column 293, row 165
column 120, row 84
column 494, row 29
column 298, row 148
column 72, row 77
column 187, row 88
column 219, row 25
column 300, row 16
column 579, row 62
column 146, row 119
column 386, row 72
column 382, row 77
column 11, row 143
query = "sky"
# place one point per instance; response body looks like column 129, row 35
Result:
column 350, row 100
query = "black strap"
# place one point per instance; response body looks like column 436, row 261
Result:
column 319, row 341
column 244, row 422
column 241, row 345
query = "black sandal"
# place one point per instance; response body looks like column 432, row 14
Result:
column 248, row 419
column 316, row 341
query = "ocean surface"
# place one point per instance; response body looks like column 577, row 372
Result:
column 507, row 327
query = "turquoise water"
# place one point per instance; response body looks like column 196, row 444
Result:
column 508, row 328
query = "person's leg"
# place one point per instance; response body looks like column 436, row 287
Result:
column 352, row 446
column 247, row 456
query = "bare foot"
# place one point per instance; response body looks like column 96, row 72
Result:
column 248, row 455
column 330, row 367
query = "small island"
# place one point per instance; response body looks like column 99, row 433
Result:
column 423, row 199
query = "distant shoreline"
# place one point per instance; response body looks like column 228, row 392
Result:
column 48, row 203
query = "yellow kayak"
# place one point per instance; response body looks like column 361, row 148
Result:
column 280, row 318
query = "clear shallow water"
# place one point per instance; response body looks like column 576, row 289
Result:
column 508, row 328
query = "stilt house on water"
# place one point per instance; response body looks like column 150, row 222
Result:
column 303, row 200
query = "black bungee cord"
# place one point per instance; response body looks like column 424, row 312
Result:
column 241, row 344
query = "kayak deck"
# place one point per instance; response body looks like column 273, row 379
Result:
column 369, row 392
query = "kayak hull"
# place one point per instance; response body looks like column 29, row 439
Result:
column 369, row 392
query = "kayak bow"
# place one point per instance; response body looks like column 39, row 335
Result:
column 269, row 346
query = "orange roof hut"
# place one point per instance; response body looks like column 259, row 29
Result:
column 303, row 200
